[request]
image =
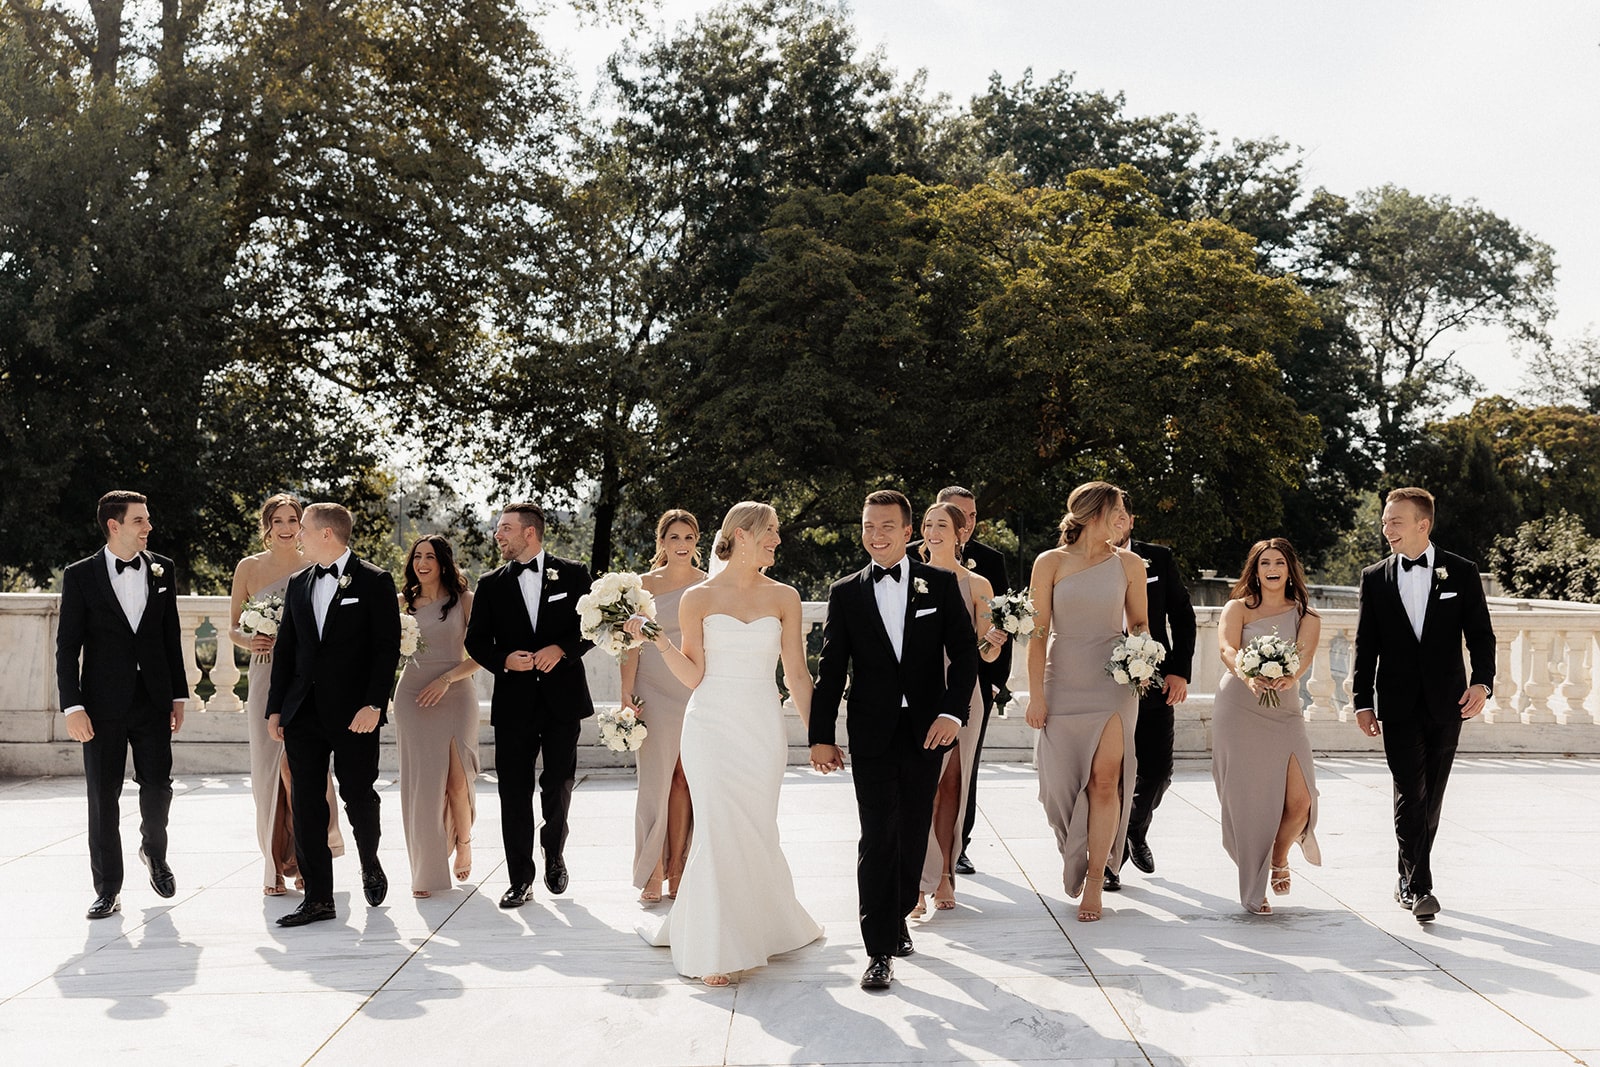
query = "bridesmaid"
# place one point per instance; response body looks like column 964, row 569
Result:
column 1261, row 758
column 1086, row 591
column 437, row 720
column 944, row 533
column 663, row 817
column 257, row 575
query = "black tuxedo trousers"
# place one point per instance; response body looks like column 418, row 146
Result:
column 145, row 727
column 895, row 793
column 310, row 740
column 1420, row 749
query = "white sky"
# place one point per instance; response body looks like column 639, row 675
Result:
column 1491, row 100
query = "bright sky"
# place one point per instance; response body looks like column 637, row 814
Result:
column 1470, row 99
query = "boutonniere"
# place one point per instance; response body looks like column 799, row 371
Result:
column 157, row 570
column 551, row 574
column 1145, row 562
column 970, row 564
column 344, row 581
column 921, row 586
column 1443, row 573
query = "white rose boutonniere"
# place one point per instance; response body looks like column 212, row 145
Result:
column 921, row 586
column 970, row 564
column 344, row 581
column 551, row 574
column 1443, row 573
column 157, row 570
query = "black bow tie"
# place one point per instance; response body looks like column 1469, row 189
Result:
column 518, row 568
column 332, row 568
column 124, row 564
column 880, row 573
column 1420, row 561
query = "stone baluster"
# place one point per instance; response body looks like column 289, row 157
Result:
column 225, row 674
column 1320, row 684
column 188, row 623
column 1579, row 679
column 1347, row 701
column 1502, row 706
column 1537, row 689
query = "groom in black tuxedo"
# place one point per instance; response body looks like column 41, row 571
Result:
column 890, row 627
column 332, row 671
column 1417, row 608
column 119, row 612
column 524, row 630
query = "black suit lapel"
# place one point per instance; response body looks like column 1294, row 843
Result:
column 1433, row 595
column 866, row 585
column 102, row 582
column 149, row 588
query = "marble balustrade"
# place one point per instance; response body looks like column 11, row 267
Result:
column 1545, row 702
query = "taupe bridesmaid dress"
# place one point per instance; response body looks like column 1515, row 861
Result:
column 965, row 750
column 664, row 701
column 1086, row 618
column 1250, row 748
column 425, row 737
column 274, row 823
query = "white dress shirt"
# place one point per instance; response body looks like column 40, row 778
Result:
column 131, row 586
column 891, row 597
column 324, row 589
column 531, row 582
column 1415, row 585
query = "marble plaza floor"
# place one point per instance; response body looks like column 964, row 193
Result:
column 1176, row 973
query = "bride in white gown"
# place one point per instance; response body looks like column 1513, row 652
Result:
column 736, row 906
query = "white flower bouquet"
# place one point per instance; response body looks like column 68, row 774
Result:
column 411, row 642
column 261, row 615
column 1134, row 661
column 1012, row 613
column 1269, row 656
column 612, row 600
column 622, row 730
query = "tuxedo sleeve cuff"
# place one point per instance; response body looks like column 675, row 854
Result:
column 75, row 707
column 953, row 718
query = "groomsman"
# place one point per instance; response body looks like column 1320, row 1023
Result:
column 332, row 670
column 1172, row 622
column 992, row 677
column 119, row 613
column 1417, row 607
column 890, row 628
column 524, row 629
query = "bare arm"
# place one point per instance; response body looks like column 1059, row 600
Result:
column 1230, row 634
column 1040, row 586
column 1136, row 603
column 688, row 663
column 992, row 636
column 796, row 673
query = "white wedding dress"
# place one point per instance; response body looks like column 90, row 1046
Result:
column 736, row 905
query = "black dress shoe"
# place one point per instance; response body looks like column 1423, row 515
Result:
column 374, row 884
column 1139, row 852
column 904, row 948
column 880, row 970
column 964, row 865
column 555, row 874
column 309, row 911
column 1425, row 907
column 105, row 905
column 161, row 877
column 1112, row 882
column 1404, row 897
column 518, row 895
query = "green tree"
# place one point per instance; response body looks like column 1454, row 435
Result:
column 1567, row 375
column 1551, row 558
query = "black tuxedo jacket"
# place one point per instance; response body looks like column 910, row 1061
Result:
column 1171, row 612
column 991, row 564
column 1403, row 672
column 855, row 642
column 500, row 626
column 116, row 656
column 351, row 664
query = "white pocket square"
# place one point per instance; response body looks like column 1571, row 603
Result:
column 1446, row 596
column 557, row 596
column 1152, row 578
column 925, row 611
column 351, row 600
column 161, row 589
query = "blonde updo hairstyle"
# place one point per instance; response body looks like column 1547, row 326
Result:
column 751, row 516
column 270, row 508
column 1084, row 505
column 958, row 522
column 670, row 518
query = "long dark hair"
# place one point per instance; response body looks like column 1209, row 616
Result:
column 451, row 579
column 1248, row 587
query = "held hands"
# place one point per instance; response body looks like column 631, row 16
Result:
column 79, row 728
column 545, row 660
column 434, row 691
column 996, row 636
column 1367, row 722
column 275, row 727
column 1176, row 689
column 1036, row 714
column 826, row 758
column 1472, row 701
column 366, row 720
column 519, row 661
column 634, row 628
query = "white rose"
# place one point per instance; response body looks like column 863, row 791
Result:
column 1120, row 676
column 1141, row 670
column 251, row 620
column 1249, row 661
column 1272, row 669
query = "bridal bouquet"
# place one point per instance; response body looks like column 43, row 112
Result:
column 612, row 600
column 622, row 730
column 1269, row 656
column 411, row 641
column 261, row 615
column 1013, row 613
column 1134, row 660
